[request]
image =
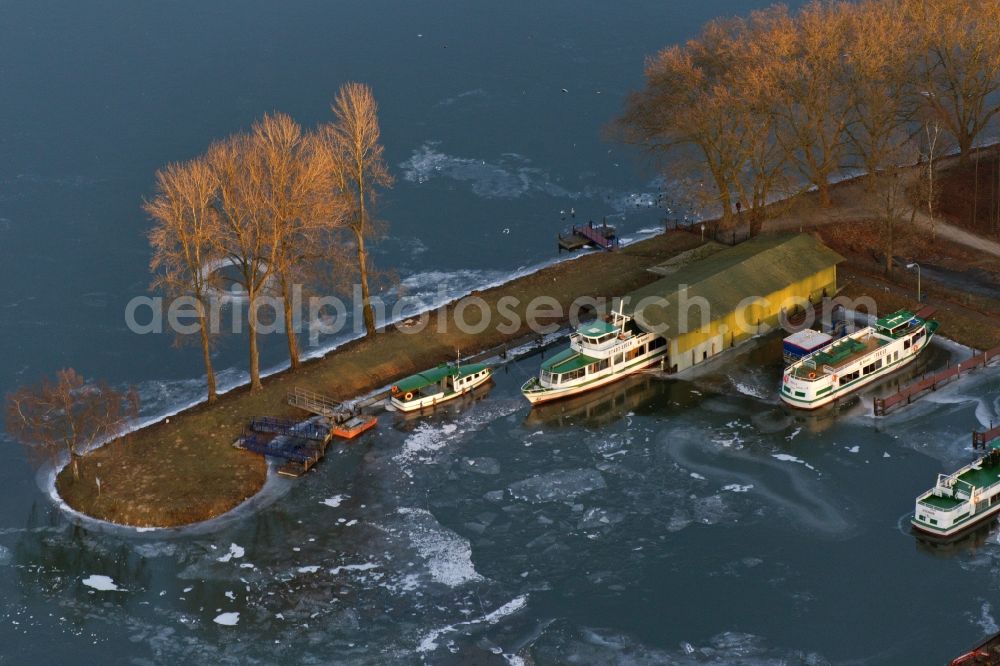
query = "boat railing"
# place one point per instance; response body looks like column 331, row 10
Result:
column 954, row 485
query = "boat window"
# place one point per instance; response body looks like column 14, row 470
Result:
column 846, row 379
column 907, row 343
column 619, row 358
column 657, row 343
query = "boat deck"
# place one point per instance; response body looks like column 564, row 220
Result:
column 841, row 353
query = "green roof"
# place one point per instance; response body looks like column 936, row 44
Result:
column 567, row 361
column 757, row 267
column 596, row 329
column 890, row 322
column 435, row 375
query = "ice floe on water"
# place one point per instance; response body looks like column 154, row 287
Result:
column 557, row 486
column 787, row 457
column 102, row 583
column 508, row 178
column 448, row 556
column 227, row 619
column 608, row 646
column 235, row 552
column 335, row 501
column 364, row 566
column 430, row 641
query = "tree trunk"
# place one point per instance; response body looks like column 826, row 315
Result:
column 206, row 353
column 367, row 312
column 824, row 193
column 293, row 343
column 255, row 384
column 889, row 245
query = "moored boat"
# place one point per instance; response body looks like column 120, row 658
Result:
column 961, row 500
column 856, row 360
column 600, row 352
column 441, row 384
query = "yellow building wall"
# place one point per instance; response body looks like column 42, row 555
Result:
column 732, row 328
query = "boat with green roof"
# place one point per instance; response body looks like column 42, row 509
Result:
column 600, row 352
column 441, row 384
column 856, row 360
column 962, row 500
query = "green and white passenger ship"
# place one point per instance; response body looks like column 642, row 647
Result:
column 441, row 384
column 856, row 360
column 600, row 353
column 962, row 500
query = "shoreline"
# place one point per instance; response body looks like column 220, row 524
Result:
column 360, row 365
column 357, row 367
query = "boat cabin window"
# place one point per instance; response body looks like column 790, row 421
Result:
column 600, row 340
column 847, row 379
column 872, row 367
column 657, row 343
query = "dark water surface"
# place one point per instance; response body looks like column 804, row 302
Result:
column 660, row 521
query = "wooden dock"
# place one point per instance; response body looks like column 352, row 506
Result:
column 931, row 383
column 980, row 440
column 581, row 236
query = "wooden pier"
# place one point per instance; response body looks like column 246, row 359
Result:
column 581, row 236
column 931, row 383
column 980, row 440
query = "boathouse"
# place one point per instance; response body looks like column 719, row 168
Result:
column 713, row 303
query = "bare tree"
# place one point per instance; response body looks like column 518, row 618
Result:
column 359, row 170
column 880, row 54
column 299, row 204
column 246, row 237
column 807, row 89
column 183, row 240
column 68, row 416
column 960, row 70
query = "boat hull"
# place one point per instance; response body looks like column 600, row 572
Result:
column 550, row 395
column 975, row 521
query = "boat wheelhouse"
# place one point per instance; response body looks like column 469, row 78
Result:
column 600, row 352
column 856, row 360
column 441, row 384
column 961, row 500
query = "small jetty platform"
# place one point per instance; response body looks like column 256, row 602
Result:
column 346, row 420
column 602, row 236
column 300, row 444
column 980, row 440
column 931, row 383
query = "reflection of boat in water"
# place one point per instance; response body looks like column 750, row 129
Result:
column 599, row 407
column 969, row 540
column 986, row 653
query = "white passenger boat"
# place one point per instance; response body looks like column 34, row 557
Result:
column 856, row 360
column 962, row 500
column 600, row 352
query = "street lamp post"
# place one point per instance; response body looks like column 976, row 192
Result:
column 917, row 266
